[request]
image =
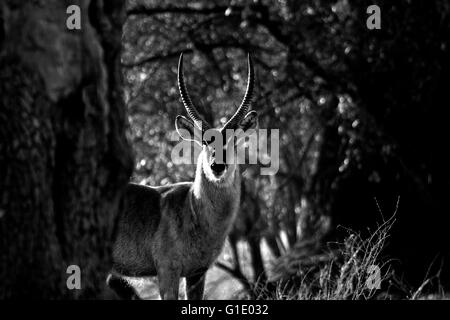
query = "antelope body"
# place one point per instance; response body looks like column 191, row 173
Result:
column 178, row 230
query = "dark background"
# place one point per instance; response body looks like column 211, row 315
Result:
column 361, row 115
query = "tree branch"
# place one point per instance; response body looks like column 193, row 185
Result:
column 157, row 57
column 142, row 9
column 203, row 47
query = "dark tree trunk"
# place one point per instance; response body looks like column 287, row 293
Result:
column 64, row 157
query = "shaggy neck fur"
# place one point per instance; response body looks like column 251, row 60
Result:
column 216, row 200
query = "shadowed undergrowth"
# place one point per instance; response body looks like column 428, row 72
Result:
column 355, row 269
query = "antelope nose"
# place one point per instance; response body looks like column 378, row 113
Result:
column 217, row 168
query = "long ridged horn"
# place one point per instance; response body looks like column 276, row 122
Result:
column 187, row 102
column 246, row 102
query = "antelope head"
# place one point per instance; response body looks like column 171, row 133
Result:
column 218, row 155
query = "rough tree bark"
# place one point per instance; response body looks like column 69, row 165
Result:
column 64, row 157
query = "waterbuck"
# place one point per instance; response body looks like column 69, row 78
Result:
column 178, row 230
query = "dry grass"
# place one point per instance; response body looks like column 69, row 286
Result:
column 354, row 269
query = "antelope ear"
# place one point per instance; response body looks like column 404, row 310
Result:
column 187, row 130
column 250, row 121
